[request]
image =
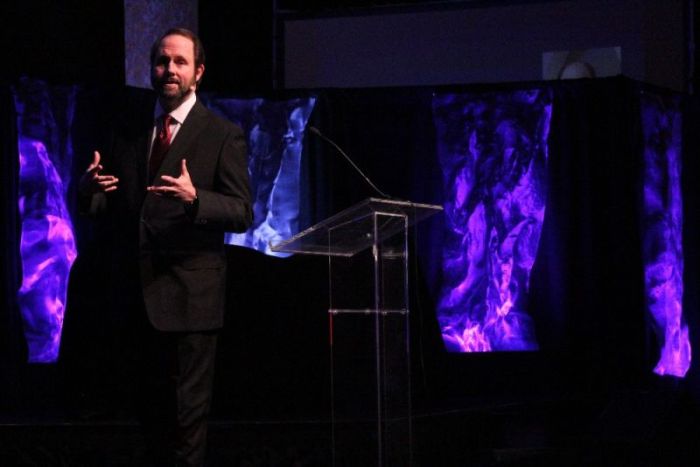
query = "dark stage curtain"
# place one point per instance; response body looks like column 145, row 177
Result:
column 13, row 346
column 691, row 232
column 588, row 295
column 389, row 133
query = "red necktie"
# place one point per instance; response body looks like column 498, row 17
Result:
column 160, row 145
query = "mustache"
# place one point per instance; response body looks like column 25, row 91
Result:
column 168, row 80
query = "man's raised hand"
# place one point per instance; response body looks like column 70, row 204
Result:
column 92, row 182
column 180, row 188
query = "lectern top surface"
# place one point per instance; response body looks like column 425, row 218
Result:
column 357, row 227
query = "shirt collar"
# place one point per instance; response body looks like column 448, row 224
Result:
column 181, row 112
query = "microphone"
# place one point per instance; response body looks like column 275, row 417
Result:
column 318, row 133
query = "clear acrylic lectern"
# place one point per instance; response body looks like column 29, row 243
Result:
column 367, row 249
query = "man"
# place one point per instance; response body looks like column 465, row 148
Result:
column 171, row 185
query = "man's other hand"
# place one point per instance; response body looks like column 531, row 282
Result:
column 176, row 187
column 92, row 182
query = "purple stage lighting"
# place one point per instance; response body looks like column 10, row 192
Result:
column 493, row 152
column 47, row 245
column 47, row 249
column 662, row 232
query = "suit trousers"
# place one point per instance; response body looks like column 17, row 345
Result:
column 177, row 373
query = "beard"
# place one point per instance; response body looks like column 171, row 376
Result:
column 171, row 90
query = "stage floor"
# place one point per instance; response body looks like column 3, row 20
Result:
column 628, row 429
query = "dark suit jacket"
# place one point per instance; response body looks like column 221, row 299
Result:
column 178, row 253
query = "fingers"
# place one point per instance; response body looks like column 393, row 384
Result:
column 184, row 174
column 107, row 182
column 93, row 171
column 164, row 190
column 174, row 190
column 176, row 187
column 91, row 183
column 95, row 164
column 169, row 180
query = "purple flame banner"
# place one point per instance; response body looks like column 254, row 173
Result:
column 662, row 231
column 492, row 148
column 47, row 245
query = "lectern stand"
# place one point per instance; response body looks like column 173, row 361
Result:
column 367, row 249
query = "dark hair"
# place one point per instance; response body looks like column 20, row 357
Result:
column 199, row 57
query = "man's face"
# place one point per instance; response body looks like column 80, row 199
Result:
column 173, row 72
